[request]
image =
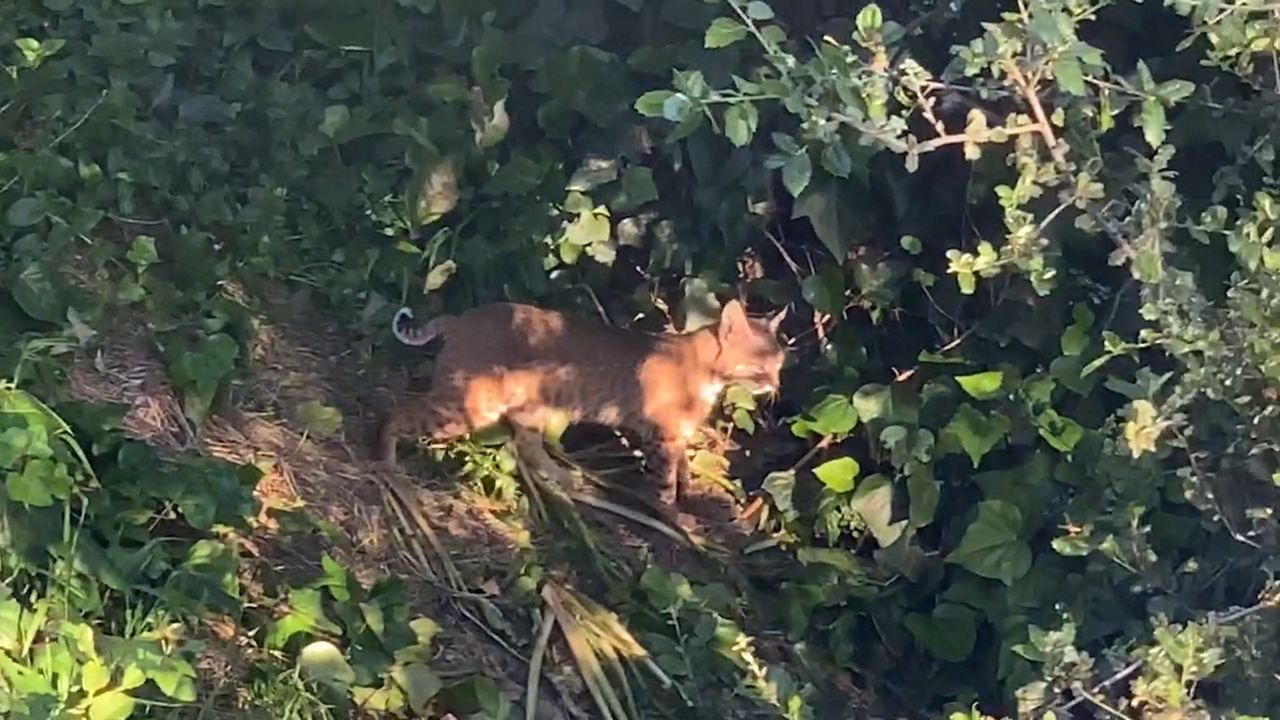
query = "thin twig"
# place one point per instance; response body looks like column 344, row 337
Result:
column 1213, row 618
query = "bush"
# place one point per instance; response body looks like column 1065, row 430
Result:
column 1026, row 460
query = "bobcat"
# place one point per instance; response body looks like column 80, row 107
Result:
column 530, row 366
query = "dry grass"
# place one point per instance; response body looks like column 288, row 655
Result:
column 407, row 524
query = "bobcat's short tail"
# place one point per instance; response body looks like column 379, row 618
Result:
column 410, row 333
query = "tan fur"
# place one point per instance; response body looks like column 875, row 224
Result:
column 530, row 366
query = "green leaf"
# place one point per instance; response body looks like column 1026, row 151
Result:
column 836, row 159
column 869, row 19
column 873, row 401
column 1175, row 91
column 38, row 297
column 420, row 683
column 924, row 491
column 439, row 275
column 323, row 662
column 991, row 546
column 1062, row 433
column 723, row 32
column 111, row 706
column 983, row 385
column 651, row 103
column 757, row 10
column 142, row 252
column 638, row 188
column 39, row 483
column 319, row 420
column 677, row 107
column 977, row 432
column 780, row 484
column 26, row 212
column 948, row 633
column 833, row 415
column 740, row 122
column 911, row 244
column 873, row 501
column 94, row 676
column 1152, row 120
column 796, row 173
column 838, row 474
column 824, row 290
column 591, row 226
column 1066, row 70
column 336, row 117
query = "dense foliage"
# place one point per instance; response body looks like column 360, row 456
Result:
column 1025, row 462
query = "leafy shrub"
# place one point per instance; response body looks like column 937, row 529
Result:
column 1028, row 460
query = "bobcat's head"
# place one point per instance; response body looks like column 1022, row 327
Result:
column 750, row 354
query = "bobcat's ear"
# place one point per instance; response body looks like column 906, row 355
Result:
column 733, row 321
column 776, row 321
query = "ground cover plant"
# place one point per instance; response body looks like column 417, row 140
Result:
column 1025, row 460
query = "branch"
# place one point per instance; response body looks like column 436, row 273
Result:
column 1214, row 618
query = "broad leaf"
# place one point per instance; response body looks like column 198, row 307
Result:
column 983, row 385
column 838, row 474
column 977, row 432
column 992, row 545
column 948, row 633
column 323, row 662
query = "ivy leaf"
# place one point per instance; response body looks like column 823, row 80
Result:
column 651, row 103
column 336, row 117
column 780, row 485
column 36, row 294
column 948, row 633
column 824, row 290
column 142, row 252
column 1062, row 433
column 838, row 474
column 740, row 122
column 723, row 32
column 873, row 401
column 983, row 385
column 637, row 188
column 991, row 546
column 796, row 173
column 977, row 432
column 923, row 491
column 833, row 415
column 420, row 683
column 319, row 420
column 26, row 212
column 873, row 501
column 323, row 662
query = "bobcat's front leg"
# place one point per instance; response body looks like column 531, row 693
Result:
column 673, row 462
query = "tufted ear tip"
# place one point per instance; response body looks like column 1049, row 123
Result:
column 733, row 319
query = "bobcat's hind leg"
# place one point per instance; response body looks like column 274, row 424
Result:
column 438, row 416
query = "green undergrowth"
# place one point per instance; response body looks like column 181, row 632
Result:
column 1024, row 463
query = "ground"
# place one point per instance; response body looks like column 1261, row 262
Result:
column 380, row 523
